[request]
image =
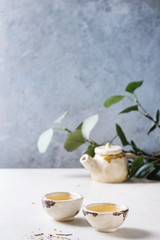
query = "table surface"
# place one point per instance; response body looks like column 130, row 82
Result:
column 22, row 215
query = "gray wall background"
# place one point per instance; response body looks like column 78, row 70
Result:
column 58, row 55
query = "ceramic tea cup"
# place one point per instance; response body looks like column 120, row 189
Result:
column 105, row 217
column 62, row 206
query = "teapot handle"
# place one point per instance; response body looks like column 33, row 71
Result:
column 130, row 155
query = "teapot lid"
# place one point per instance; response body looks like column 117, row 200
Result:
column 108, row 149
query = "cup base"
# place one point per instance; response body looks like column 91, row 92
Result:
column 64, row 219
column 110, row 230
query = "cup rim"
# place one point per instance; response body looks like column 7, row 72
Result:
column 124, row 208
column 77, row 197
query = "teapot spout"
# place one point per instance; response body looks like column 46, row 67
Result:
column 89, row 163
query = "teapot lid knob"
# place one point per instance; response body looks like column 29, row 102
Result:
column 108, row 145
column 108, row 149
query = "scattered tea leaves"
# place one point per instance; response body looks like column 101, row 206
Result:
column 51, row 235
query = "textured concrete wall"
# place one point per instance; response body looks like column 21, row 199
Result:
column 58, row 55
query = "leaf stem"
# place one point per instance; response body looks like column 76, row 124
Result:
column 112, row 139
column 90, row 141
column 141, row 113
column 144, row 112
column 131, row 99
column 61, row 129
column 67, row 130
column 63, row 125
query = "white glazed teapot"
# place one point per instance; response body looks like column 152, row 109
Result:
column 109, row 164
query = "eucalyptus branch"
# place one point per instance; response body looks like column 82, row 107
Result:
column 133, row 154
column 147, row 115
column 141, row 164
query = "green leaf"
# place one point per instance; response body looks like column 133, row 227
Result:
column 135, row 148
column 158, row 139
column 121, row 135
column 157, row 116
column 74, row 140
column 151, row 129
column 79, row 126
column 132, row 86
column 112, row 100
column 90, row 150
column 44, row 140
column 59, row 120
column 88, row 125
column 144, row 170
column 155, row 175
column 129, row 109
column 137, row 163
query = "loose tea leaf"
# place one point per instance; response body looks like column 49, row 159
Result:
column 39, row 234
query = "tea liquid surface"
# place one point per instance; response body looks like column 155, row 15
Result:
column 60, row 198
column 104, row 208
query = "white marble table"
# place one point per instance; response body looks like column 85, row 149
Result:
column 21, row 219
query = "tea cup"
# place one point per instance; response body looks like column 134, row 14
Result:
column 62, row 206
column 105, row 217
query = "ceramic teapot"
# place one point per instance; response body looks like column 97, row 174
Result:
column 109, row 164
